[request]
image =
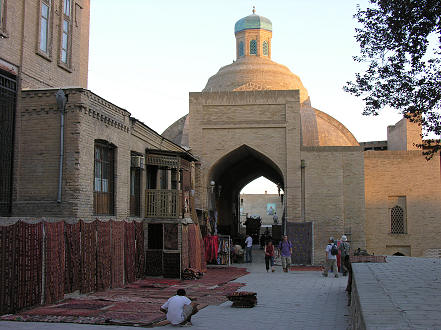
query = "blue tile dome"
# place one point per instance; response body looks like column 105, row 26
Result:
column 253, row 21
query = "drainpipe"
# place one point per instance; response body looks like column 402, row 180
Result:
column 61, row 102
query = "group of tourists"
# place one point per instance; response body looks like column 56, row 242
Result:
column 285, row 249
column 333, row 249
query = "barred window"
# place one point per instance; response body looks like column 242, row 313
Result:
column 253, row 47
column 241, row 48
column 103, row 179
column 265, row 48
column 397, row 225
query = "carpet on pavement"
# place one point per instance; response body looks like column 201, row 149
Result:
column 138, row 303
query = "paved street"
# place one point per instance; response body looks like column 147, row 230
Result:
column 295, row 300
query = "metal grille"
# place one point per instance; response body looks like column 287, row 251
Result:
column 8, row 94
column 253, row 47
column 163, row 161
column 397, row 220
column 161, row 203
column 265, row 48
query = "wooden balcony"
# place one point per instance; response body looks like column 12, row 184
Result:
column 162, row 203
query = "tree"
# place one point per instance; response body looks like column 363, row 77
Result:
column 400, row 41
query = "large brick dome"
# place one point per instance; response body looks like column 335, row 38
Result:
column 255, row 73
column 254, row 70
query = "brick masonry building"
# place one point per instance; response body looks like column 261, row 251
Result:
column 66, row 154
column 254, row 118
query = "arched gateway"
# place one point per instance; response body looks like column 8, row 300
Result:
column 230, row 174
column 254, row 118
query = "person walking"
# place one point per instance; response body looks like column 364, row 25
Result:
column 331, row 258
column 285, row 247
column 269, row 256
column 344, row 248
column 275, row 218
column 248, row 249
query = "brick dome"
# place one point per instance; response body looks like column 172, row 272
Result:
column 255, row 73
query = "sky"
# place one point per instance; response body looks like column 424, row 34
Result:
column 146, row 56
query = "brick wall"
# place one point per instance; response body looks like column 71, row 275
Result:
column 87, row 118
column 334, row 195
column 402, row 173
column 20, row 46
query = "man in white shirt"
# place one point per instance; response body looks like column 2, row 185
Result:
column 179, row 309
column 248, row 249
column 331, row 259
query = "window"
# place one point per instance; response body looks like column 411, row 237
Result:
column 3, row 18
column 241, row 49
column 45, row 26
column 397, row 215
column 253, row 47
column 135, row 191
column 265, row 48
column 103, row 179
column 397, row 220
column 66, row 33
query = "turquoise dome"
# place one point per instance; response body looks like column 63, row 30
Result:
column 253, row 22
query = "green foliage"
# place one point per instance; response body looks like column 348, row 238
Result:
column 400, row 41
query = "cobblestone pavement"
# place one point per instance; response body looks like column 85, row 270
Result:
column 294, row 300
column 403, row 293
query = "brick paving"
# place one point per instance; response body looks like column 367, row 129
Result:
column 403, row 293
column 294, row 300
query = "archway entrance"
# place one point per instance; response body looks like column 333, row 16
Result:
column 227, row 178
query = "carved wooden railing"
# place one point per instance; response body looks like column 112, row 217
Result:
column 162, row 203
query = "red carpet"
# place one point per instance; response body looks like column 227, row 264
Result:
column 138, row 303
column 306, row 268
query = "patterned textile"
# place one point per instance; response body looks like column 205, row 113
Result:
column 20, row 266
column 201, row 249
column 170, row 236
column 72, row 279
column 103, row 257
column 211, row 244
column 88, row 256
column 129, row 251
column 29, row 264
column 136, row 304
column 54, row 262
column 185, row 261
column 139, row 250
column 195, row 248
column 356, row 259
column 117, row 253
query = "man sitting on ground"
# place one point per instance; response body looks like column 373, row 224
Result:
column 179, row 309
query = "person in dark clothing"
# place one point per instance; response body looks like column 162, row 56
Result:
column 348, row 266
column 269, row 256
